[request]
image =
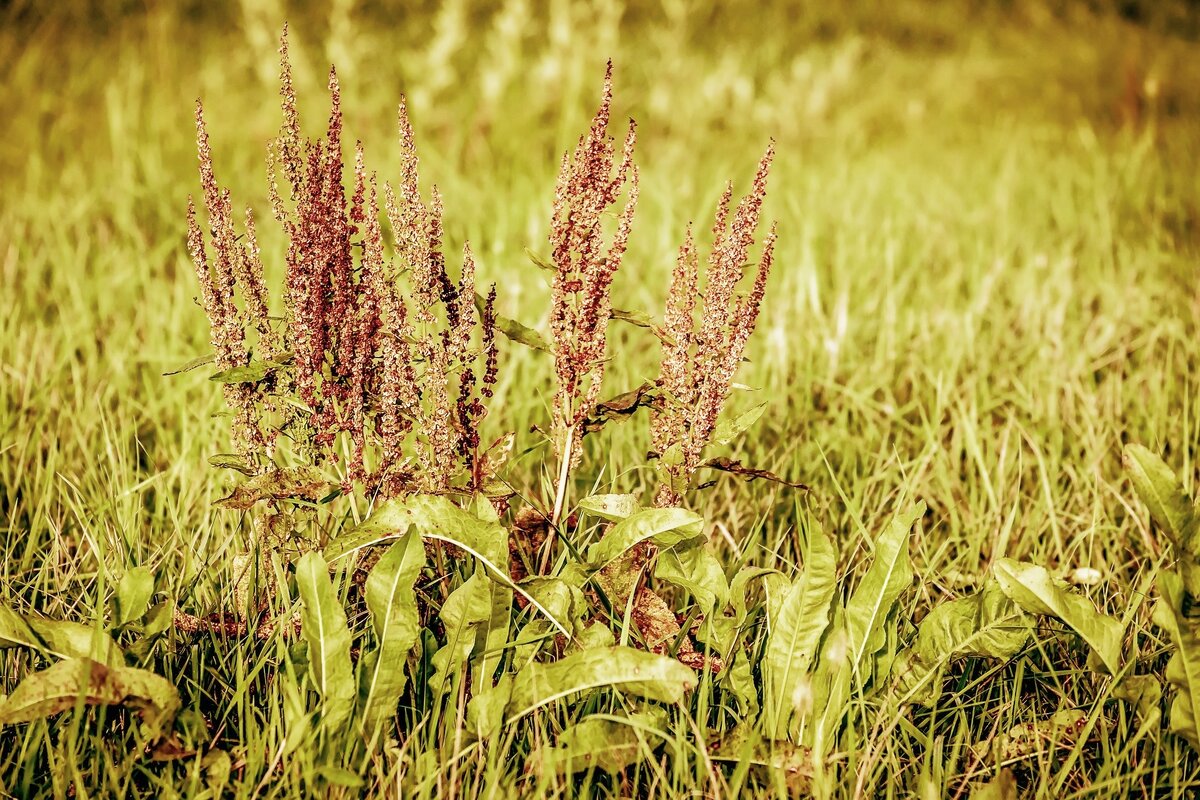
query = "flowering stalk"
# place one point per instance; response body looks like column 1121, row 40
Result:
column 699, row 362
column 589, row 182
column 391, row 386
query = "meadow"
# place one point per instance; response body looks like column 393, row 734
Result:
column 963, row 577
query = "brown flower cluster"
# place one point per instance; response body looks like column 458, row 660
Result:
column 699, row 361
column 400, row 394
column 232, row 268
column 589, row 182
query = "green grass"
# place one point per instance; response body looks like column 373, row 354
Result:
column 985, row 286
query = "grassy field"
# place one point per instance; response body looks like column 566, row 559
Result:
column 984, row 287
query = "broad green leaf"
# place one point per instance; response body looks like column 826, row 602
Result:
column 387, row 522
column 738, row 679
column 608, row 743
column 323, row 625
column 594, row 637
column 1033, row 589
column 633, row 672
column 199, row 361
column 1143, row 692
column 58, row 638
column 393, row 605
column 253, row 372
column 77, row 680
column 563, row 599
column 888, row 576
column 298, row 722
column 738, row 587
column 436, row 517
column 831, row 686
column 729, row 429
column 133, row 595
column 665, row 527
column 1002, row 787
column 1183, row 670
column 471, row 626
column 698, row 571
column 1161, row 491
column 986, row 624
column 302, row 483
column 217, row 765
column 485, row 711
column 611, row 507
column 797, row 627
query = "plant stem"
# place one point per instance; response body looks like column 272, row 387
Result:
column 564, row 473
column 560, row 498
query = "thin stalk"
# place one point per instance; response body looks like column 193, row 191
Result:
column 560, row 498
column 564, row 473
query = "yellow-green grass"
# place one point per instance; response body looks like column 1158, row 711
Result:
column 984, row 285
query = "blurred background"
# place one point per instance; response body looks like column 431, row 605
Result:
column 984, row 206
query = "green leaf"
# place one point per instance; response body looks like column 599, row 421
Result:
column 1143, row 692
column 986, row 624
column 438, row 518
column 1033, row 589
column 514, row 330
column 797, row 627
column 340, row 776
column 737, row 589
column 323, row 625
column 393, row 605
column 1183, row 670
column 485, row 710
column 58, row 638
column 293, row 483
column 888, row 576
column 234, row 461
column 133, row 595
column 82, row 680
column 471, row 626
column 1002, row 787
column 611, row 507
column 253, row 372
column 621, row 407
column 608, row 743
column 199, row 361
column 729, row 429
column 540, row 261
column 1161, row 491
column 559, row 597
column 698, row 571
column 634, row 672
column 666, row 527
column 638, row 318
